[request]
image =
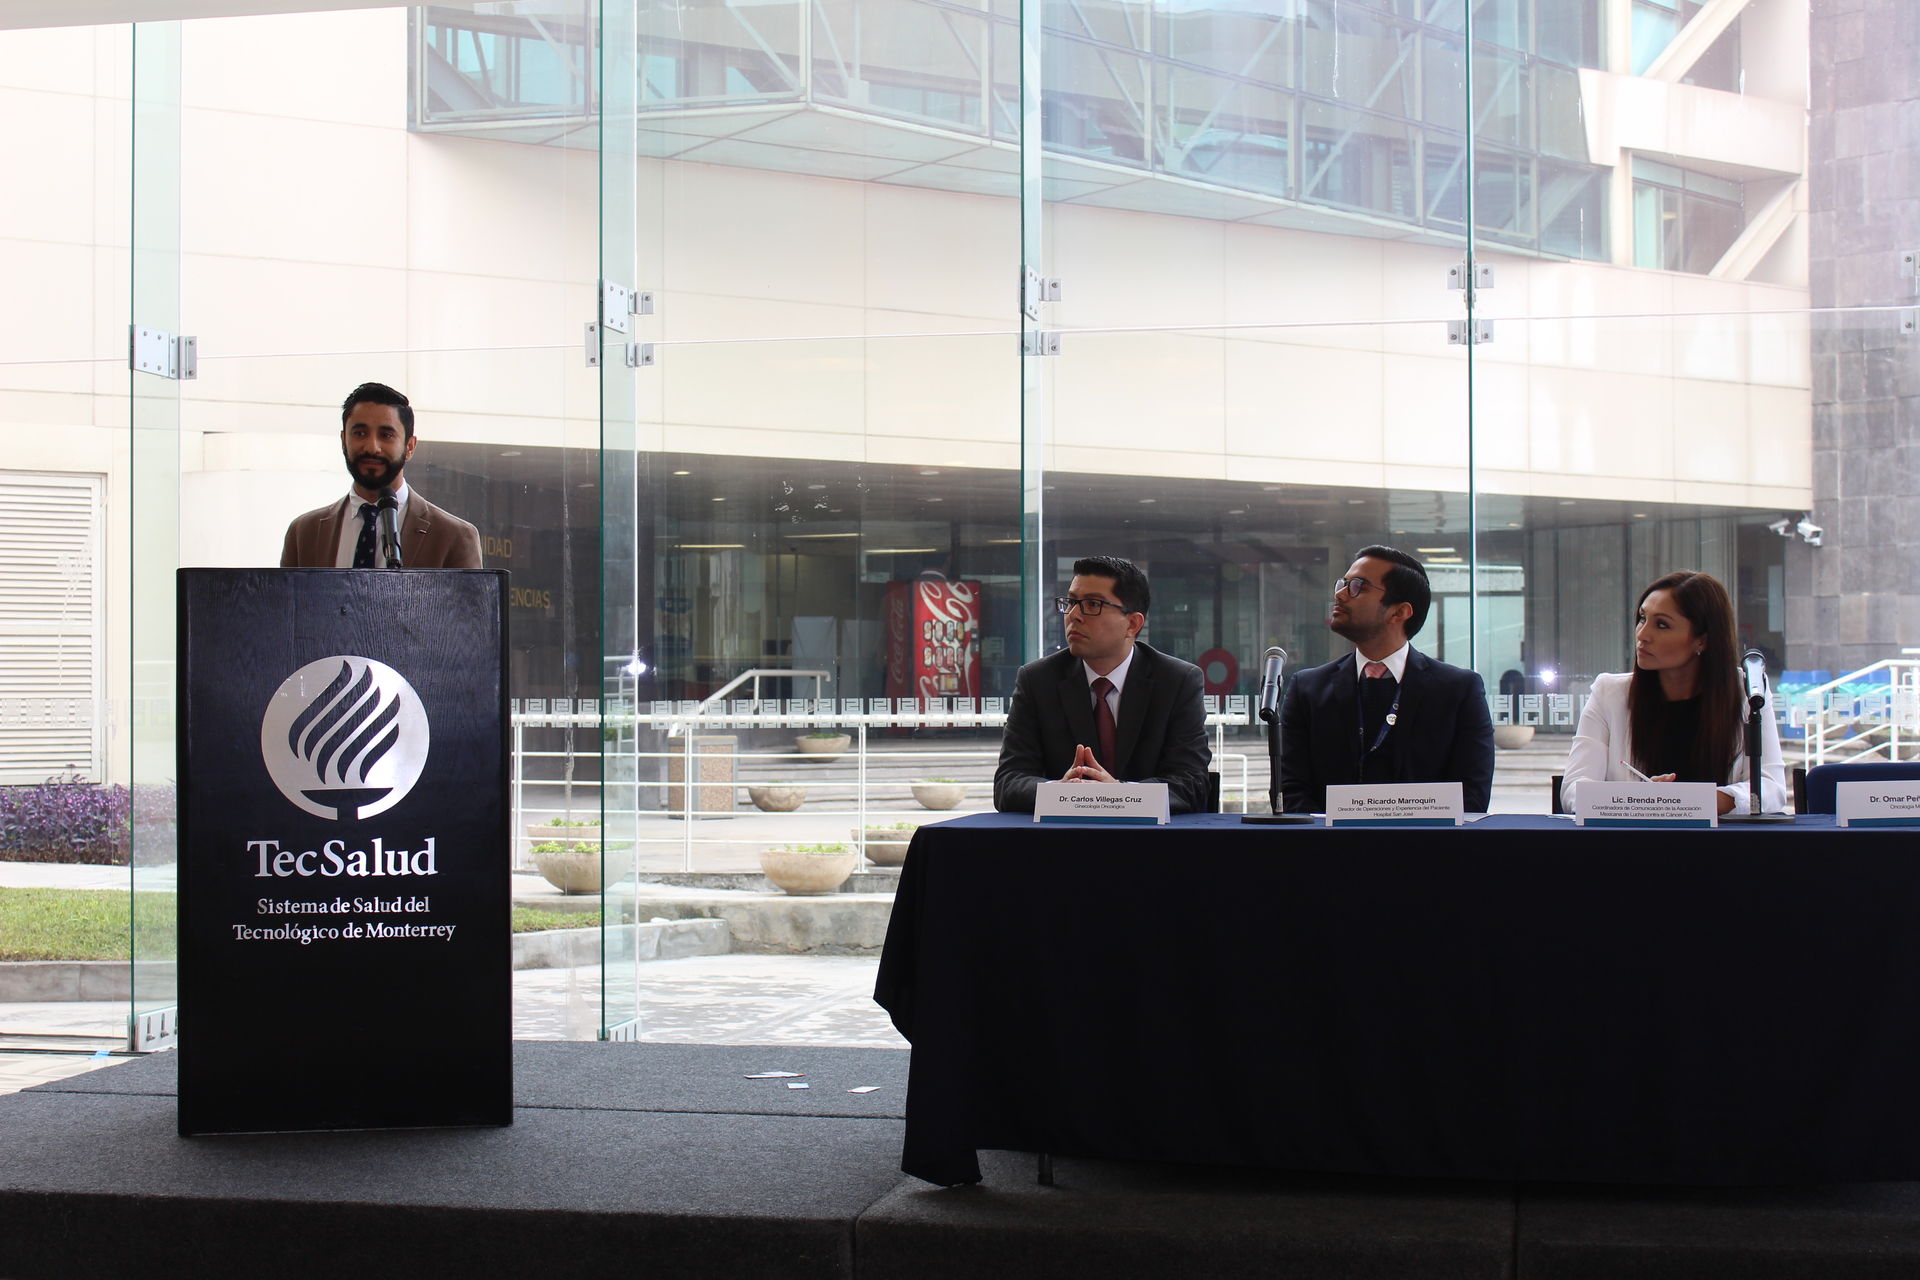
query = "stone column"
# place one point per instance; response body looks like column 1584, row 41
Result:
column 1856, row 599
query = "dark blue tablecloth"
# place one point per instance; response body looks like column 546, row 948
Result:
column 1516, row 998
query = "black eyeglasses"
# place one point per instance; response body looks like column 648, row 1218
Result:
column 1091, row 608
column 1355, row 587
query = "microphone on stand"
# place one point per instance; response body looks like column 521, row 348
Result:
column 1753, row 667
column 1268, row 709
column 1753, row 678
column 389, row 508
column 1276, row 664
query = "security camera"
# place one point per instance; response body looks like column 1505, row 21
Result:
column 1810, row 533
column 1783, row 526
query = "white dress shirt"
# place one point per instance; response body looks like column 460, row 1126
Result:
column 1119, row 677
column 1396, row 662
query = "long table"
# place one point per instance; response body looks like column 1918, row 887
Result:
column 1512, row 999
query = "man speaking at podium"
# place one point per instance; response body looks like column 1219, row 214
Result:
column 376, row 440
column 1107, row 708
column 1384, row 713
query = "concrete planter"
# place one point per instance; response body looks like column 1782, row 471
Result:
column 823, row 750
column 886, row 846
column 1511, row 737
column 571, row 872
column 803, row 874
column 777, row 797
column 939, row 795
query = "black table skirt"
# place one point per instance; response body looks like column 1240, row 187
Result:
column 1514, row 999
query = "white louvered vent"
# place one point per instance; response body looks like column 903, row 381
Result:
column 51, row 592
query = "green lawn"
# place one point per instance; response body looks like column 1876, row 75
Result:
column 82, row 924
column 91, row 924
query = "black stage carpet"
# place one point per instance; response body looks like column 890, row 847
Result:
column 665, row 1160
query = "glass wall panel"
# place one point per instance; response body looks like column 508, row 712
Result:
column 621, row 604
column 156, row 473
column 67, row 709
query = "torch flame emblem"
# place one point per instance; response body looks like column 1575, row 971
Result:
column 345, row 737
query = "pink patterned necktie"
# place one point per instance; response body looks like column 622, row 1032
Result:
column 1376, row 670
column 1103, row 721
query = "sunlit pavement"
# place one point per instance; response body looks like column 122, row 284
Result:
column 733, row 999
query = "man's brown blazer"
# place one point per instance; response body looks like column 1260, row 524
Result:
column 430, row 539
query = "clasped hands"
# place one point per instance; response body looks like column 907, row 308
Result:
column 1085, row 768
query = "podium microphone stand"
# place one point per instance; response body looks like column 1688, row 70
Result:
column 1756, row 705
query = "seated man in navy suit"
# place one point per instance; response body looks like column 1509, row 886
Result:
column 1108, row 707
column 1385, row 712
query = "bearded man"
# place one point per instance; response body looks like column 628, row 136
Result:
column 377, row 441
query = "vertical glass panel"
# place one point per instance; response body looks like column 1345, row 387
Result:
column 155, row 475
column 452, row 255
column 65, row 662
column 1615, row 451
column 620, row 664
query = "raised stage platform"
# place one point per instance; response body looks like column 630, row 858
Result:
column 664, row 1160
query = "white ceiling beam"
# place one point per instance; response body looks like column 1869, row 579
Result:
column 94, row 13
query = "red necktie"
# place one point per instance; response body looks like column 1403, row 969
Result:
column 1376, row 670
column 1103, row 722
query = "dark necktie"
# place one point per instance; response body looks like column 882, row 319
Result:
column 1103, row 722
column 363, row 549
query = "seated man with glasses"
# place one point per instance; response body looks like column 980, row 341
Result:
column 1107, row 708
column 1384, row 713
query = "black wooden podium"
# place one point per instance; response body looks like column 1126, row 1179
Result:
column 343, row 758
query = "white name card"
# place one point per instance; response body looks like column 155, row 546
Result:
column 1402, row 804
column 1141, row 802
column 1647, row 804
column 1877, row 804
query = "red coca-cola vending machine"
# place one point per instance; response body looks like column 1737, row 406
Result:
column 933, row 639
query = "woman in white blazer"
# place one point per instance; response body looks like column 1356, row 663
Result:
column 1679, row 715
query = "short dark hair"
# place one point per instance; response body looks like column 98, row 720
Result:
column 1406, row 583
column 378, row 393
column 1129, row 583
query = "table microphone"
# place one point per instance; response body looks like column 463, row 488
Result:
column 1754, row 667
column 1276, row 663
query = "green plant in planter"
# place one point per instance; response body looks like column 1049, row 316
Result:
column 948, row 781
column 818, row 848
column 564, row 846
column 564, row 821
column 824, row 733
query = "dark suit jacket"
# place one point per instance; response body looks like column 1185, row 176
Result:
column 1442, row 734
column 1161, row 735
column 431, row 539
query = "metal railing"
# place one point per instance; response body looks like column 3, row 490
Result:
column 681, row 798
column 1861, row 717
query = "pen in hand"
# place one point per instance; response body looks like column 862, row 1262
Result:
column 1635, row 772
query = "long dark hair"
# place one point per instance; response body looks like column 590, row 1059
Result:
column 1704, row 603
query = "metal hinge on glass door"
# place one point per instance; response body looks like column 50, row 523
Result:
column 164, row 355
column 617, row 302
column 1470, row 277
column 1036, row 289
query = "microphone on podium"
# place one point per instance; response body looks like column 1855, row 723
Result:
column 389, row 528
column 1270, row 673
